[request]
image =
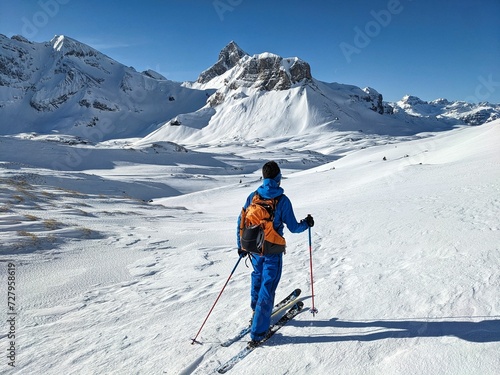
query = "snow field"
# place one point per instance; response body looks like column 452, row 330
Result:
column 405, row 255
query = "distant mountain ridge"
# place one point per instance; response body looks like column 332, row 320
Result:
column 442, row 109
column 68, row 87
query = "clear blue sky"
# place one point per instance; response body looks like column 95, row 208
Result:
column 430, row 49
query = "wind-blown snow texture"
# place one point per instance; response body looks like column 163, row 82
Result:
column 122, row 246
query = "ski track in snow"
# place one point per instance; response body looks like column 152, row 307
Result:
column 405, row 255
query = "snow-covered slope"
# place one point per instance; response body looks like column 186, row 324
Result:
column 405, row 258
column 280, row 99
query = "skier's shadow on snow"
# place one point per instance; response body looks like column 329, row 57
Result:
column 487, row 330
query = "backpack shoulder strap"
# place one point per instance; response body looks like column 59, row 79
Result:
column 275, row 204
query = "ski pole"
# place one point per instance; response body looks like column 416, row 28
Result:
column 234, row 269
column 313, row 310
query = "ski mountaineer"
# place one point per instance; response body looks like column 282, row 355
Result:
column 267, row 267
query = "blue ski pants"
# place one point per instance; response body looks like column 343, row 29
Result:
column 265, row 279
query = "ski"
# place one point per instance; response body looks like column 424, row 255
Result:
column 251, row 346
column 276, row 309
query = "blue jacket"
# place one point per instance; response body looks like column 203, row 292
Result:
column 282, row 215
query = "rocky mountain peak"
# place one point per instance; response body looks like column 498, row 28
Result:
column 71, row 47
column 265, row 71
column 412, row 100
column 229, row 56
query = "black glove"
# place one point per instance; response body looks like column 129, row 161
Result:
column 309, row 220
column 242, row 253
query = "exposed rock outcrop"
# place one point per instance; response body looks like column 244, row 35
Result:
column 272, row 72
column 229, row 56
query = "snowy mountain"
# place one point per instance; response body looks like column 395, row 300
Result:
column 443, row 110
column 67, row 87
column 268, row 96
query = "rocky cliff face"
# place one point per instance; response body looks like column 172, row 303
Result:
column 265, row 71
column 272, row 72
column 376, row 101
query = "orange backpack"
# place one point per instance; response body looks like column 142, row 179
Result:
column 257, row 232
